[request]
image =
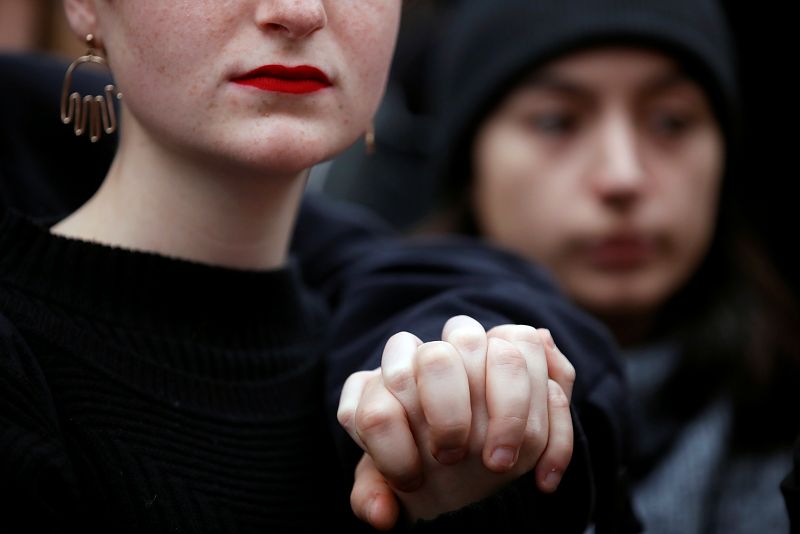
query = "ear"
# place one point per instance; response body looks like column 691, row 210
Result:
column 82, row 17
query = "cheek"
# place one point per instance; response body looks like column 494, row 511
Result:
column 161, row 49
column 514, row 202
column 696, row 192
column 366, row 33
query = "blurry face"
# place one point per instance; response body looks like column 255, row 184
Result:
column 186, row 69
column 605, row 166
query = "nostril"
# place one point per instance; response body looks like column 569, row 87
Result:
column 274, row 26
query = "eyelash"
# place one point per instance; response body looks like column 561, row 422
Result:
column 671, row 123
column 552, row 123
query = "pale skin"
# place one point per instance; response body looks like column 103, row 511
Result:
column 605, row 166
column 211, row 171
column 447, row 420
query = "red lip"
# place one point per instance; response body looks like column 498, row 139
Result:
column 620, row 251
column 282, row 79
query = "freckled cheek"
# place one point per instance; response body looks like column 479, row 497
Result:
column 367, row 55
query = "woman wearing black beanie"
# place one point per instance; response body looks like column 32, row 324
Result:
column 600, row 138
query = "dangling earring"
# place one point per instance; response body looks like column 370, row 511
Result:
column 369, row 139
column 98, row 110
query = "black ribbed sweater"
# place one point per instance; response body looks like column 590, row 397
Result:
column 144, row 393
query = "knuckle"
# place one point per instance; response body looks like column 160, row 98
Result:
column 503, row 331
column 509, row 359
column 374, row 420
column 436, row 357
column 528, row 334
column 468, row 339
column 400, row 379
column 517, row 332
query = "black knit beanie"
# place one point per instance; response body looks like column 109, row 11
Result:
column 492, row 44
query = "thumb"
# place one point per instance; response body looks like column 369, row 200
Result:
column 372, row 500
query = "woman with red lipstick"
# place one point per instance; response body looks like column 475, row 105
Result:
column 167, row 356
column 600, row 139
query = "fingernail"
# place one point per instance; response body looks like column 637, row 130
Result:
column 450, row 456
column 552, row 480
column 503, row 457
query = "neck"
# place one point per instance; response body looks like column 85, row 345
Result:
column 159, row 200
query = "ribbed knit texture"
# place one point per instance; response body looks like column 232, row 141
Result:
column 143, row 393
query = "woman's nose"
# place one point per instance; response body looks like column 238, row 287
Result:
column 618, row 173
column 295, row 19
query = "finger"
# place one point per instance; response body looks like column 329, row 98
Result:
column 557, row 454
column 508, row 400
column 469, row 338
column 529, row 343
column 382, row 426
column 444, row 396
column 559, row 367
column 372, row 499
column 397, row 369
column 352, row 391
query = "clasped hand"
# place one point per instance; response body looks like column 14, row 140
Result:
column 448, row 423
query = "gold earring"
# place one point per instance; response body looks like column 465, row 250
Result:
column 369, row 138
column 97, row 110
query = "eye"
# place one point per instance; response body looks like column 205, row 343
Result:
column 551, row 123
column 670, row 123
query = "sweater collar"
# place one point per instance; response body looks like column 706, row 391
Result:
column 150, row 291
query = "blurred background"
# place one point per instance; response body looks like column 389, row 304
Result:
column 36, row 25
column 765, row 39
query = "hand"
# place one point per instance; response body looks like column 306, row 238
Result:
column 448, row 423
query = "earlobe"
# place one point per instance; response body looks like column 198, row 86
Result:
column 82, row 17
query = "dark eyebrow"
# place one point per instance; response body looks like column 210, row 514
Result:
column 669, row 80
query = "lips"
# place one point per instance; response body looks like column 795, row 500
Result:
column 620, row 251
column 281, row 79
